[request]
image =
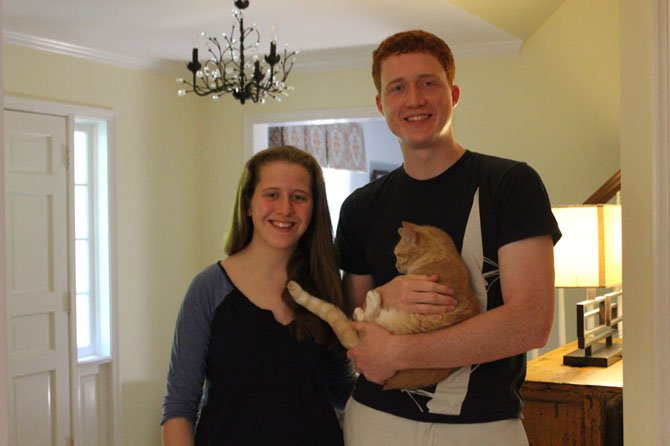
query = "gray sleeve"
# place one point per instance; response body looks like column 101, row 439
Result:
column 190, row 346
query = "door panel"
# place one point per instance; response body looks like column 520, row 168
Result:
column 37, row 278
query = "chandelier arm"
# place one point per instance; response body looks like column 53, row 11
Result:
column 230, row 48
column 286, row 58
column 244, row 87
column 197, row 89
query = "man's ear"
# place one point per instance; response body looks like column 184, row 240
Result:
column 378, row 101
column 455, row 94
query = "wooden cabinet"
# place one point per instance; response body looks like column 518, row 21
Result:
column 567, row 405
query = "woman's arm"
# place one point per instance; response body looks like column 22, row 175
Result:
column 178, row 432
column 188, row 358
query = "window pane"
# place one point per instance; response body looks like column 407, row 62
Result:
column 80, row 158
column 338, row 187
column 83, row 321
column 82, row 266
column 91, row 238
column 81, row 217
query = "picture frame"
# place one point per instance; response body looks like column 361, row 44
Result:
column 378, row 170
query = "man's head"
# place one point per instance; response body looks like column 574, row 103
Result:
column 414, row 41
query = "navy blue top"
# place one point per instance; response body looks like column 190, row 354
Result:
column 261, row 385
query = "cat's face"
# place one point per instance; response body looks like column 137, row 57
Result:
column 405, row 249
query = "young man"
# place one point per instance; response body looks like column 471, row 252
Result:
column 498, row 213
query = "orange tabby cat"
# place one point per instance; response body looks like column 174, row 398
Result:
column 421, row 250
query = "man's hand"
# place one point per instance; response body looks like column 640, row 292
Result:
column 415, row 293
column 373, row 357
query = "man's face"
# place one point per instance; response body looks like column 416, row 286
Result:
column 416, row 99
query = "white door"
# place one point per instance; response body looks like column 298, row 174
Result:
column 37, row 279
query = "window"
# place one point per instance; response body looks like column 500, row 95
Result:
column 91, row 233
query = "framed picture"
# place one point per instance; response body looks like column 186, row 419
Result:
column 377, row 173
column 378, row 170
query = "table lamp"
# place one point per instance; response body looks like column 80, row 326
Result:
column 589, row 256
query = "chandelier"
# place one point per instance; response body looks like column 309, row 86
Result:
column 229, row 70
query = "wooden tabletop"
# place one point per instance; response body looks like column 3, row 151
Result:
column 549, row 368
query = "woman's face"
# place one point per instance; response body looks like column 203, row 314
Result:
column 281, row 206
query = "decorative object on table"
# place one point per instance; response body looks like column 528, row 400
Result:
column 230, row 69
column 589, row 256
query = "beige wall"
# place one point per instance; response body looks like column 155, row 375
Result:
column 555, row 105
column 637, row 146
column 178, row 159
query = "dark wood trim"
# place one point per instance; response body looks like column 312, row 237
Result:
column 607, row 191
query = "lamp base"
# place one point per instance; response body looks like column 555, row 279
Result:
column 602, row 355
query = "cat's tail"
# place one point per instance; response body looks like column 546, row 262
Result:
column 332, row 315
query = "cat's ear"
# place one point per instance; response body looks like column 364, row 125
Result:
column 407, row 233
column 408, row 225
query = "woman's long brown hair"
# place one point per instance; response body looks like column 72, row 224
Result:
column 313, row 264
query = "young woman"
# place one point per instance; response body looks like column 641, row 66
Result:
column 272, row 372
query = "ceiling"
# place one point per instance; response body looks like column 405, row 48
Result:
column 160, row 33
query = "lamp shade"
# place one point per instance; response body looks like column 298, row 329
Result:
column 588, row 255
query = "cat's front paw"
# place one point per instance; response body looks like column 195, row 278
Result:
column 372, row 305
column 359, row 314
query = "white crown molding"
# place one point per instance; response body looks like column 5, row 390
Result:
column 68, row 49
column 308, row 61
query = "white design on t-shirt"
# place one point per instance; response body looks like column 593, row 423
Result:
column 449, row 394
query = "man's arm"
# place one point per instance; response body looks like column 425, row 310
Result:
column 522, row 323
column 354, row 288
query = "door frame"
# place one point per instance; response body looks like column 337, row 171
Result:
column 70, row 112
column 4, row 415
column 661, row 217
column 254, row 125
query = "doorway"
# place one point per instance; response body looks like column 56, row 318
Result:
column 54, row 395
column 381, row 147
